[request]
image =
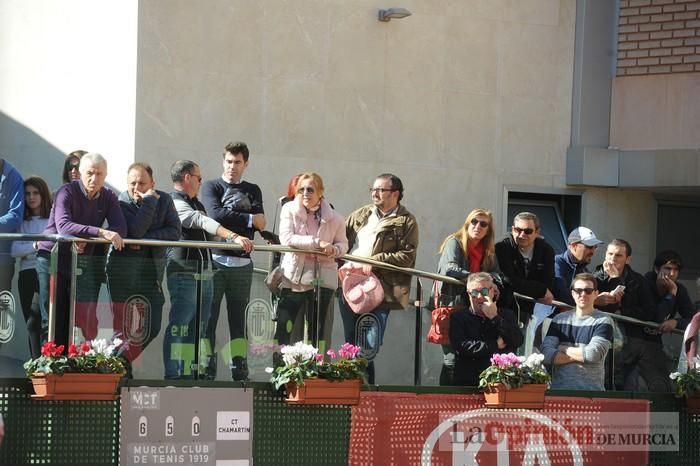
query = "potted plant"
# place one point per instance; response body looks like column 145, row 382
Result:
column 88, row 371
column 688, row 386
column 314, row 378
column 514, row 381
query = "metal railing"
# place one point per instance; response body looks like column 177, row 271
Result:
column 418, row 302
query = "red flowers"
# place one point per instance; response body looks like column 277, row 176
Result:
column 50, row 350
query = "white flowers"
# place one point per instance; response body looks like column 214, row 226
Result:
column 297, row 353
column 102, row 347
column 534, row 361
column 674, row 375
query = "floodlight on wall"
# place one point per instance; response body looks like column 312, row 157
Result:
column 393, row 13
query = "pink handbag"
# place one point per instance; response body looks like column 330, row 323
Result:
column 363, row 293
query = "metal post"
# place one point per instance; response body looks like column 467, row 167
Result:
column 199, row 278
column 73, row 290
column 53, row 276
column 418, row 304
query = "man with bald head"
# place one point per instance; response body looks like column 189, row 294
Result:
column 80, row 208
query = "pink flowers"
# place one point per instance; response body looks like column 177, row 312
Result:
column 505, row 360
column 349, row 351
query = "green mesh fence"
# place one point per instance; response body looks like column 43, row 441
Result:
column 87, row 432
column 57, row 432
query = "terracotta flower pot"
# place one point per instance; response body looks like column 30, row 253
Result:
column 76, row 386
column 529, row 396
column 322, row 391
column 692, row 403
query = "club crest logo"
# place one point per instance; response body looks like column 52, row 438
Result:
column 137, row 319
column 8, row 313
column 260, row 328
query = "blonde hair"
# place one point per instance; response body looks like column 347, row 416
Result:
column 315, row 179
column 462, row 236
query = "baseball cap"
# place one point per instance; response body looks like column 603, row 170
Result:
column 584, row 235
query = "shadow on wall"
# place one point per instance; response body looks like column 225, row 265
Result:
column 33, row 155
column 29, row 152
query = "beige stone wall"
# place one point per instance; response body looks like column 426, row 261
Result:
column 67, row 81
column 458, row 99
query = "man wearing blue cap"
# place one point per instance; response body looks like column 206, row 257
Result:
column 582, row 244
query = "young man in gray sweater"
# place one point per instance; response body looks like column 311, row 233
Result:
column 578, row 340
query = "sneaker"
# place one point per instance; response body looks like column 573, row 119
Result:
column 239, row 368
column 210, row 369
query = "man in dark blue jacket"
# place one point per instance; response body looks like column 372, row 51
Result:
column 135, row 274
column 582, row 244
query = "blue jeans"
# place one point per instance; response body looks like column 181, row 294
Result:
column 179, row 338
column 374, row 336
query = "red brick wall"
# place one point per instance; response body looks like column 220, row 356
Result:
column 658, row 36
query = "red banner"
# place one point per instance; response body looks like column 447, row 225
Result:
column 456, row 430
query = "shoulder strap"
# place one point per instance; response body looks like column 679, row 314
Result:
column 2, row 166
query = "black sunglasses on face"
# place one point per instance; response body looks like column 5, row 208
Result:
column 579, row 291
column 482, row 223
column 479, row 291
column 306, row 189
column 527, row 231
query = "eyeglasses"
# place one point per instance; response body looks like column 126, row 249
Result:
column 199, row 177
column 306, row 189
column 481, row 223
column 527, row 231
column 380, row 190
column 579, row 291
column 590, row 247
column 476, row 292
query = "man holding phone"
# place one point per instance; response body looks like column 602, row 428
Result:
column 624, row 291
column 480, row 331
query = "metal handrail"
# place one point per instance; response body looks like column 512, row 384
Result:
column 279, row 248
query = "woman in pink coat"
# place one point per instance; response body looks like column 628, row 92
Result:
column 309, row 223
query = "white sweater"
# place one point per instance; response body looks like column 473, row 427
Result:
column 25, row 249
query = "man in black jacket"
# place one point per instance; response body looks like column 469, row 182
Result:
column 480, row 331
column 527, row 262
column 624, row 291
column 135, row 273
column 237, row 205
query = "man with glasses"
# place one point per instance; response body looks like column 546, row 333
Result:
column 384, row 231
column 582, row 244
column 480, row 331
column 527, row 261
column 237, row 205
column 188, row 271
column 578, row 340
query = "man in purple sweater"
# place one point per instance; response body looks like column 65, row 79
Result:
column 80, row 209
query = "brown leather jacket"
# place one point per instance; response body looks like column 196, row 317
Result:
column 396, row 243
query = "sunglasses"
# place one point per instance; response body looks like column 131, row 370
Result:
column 580, row 291
column 380, row 190
column 527, row 231
column 72, row 166
column 306, row 189
column 481, row 223
column 476, row 292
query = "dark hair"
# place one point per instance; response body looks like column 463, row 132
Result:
column 43, row 188
column 75, row 155
column 396, row 183
column 237, row 148
column 668, row 257
column 586, row 277
column 527, row 216
column 622, row 243
column 142, row 166
column 180, row 168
